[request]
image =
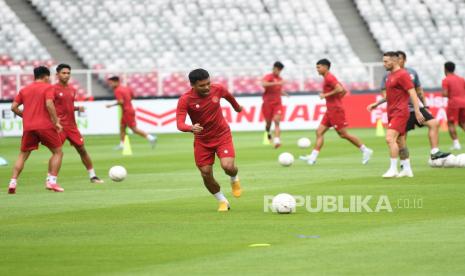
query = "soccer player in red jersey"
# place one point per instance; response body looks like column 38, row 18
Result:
column 272, row 106
column 63, row 95
column 124, row 97
column 212, row 134
column 453, row 88
column 430, row 121
column 399, row 89
column 334, row 116
column 40, row 125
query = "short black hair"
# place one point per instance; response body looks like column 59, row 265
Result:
column 114, row 78
column 279, row 65
column 40, row 72
column 198, row 75
column 324, row 62
column 62, row 66
column 449, row 66
column 403, row 54
column 390, row 54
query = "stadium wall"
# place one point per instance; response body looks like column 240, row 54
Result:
column 159, row 115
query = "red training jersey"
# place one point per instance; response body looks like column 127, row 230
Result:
column 397, row 85
column 272, row 93
column 124, row 94
column 455, row 86
column 63, row 97
column 205, row 111
column 35, row 114
column 329, row 84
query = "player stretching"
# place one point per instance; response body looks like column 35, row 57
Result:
column 272, row 107
column 63, row 96
column 40, row 124
column 399, row 89
column 453, row 87
column 334, row 116
column 430, row 121
column 123, row 97
column 211, row 132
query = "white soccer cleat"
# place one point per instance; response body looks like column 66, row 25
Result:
column 304, row 157
column 118, row 147
column 308, row 159
column 391, row 173
column 153, row 142
column 366, row 156
column 456, row 147
column 311, row 161
column 405, row 173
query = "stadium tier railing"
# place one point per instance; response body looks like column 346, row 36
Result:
column 173, row 82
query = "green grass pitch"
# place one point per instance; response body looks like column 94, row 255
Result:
column 162, row 221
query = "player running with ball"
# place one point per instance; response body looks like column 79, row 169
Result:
column 334, row 116
column 212, row 134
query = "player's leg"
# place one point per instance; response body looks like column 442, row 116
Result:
column 87, row 161
column 204, row 159
column 150, row 138
column 226, row 154
column 320, row 132
column 268, row 116
column 277, row 130
column 17, row 169
column 53, row 141
column 366, row 152
column 404, row 156
column 392, row 136
column 122, row 135
column 29, row 142
column 452, row 120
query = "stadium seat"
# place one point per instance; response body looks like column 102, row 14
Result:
column 429, row 31
column 123, row 34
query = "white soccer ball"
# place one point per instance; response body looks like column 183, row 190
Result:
column 450, row 161
column 286, row 159
column 283, row 204
column 461, row 160
column 117, row 173
column 304, row 143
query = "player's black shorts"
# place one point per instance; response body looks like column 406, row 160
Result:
column 412, row 120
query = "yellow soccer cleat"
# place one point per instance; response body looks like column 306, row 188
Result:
column 236, row 188
column 223, row 206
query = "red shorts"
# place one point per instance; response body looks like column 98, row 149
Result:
column 398, row 123
column 455, row 115
column 205, row 153
column 271, row 109
column 47, row 137
column 73, row 135
column 335, row 118
column 128, row 119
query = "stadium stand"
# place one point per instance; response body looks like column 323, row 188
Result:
column 430, row 31
column 20, row 52
column 121, row 34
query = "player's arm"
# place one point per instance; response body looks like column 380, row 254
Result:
column 232, row 100
column 421, row 95
column 79, row 108
column 53, row 113
column 337, row 89
column 181, row 114
column 372, row 106
column 445, row 90
column 266, row 83
column 16, row 110
column 416, row 106
column 118, row 102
